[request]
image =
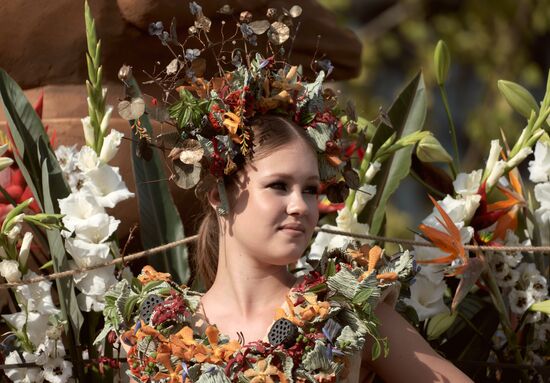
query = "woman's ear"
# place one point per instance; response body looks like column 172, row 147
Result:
column 213, row 196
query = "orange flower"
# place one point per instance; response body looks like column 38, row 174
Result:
column 149, row 274
column 219, row 352
column 450, row 242
column 262, row 373
column 232, row 122
column 313, row 308
column 366, row 256
column 163, row 357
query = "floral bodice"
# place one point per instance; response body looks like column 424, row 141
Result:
column 316, row 335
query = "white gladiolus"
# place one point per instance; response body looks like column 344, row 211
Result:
column 372, row 170
column 96, row 229
column 9, row 269
column 110, row 146
column 78, row 208
column 427, row 293
column 89, row 135
column 364, row 194
column 539, row 168
column 87, row 254
column 542, row 195
column 107, row 185
column 58, row 370
column 106, row 118
column 23, row 375
column 496, row 173
column 37, row 324
column 25, row 248
column 37, row 295
column 66, row 155
column 494, row 154
column 519, row 157
column 467, row 183
column 87, row 159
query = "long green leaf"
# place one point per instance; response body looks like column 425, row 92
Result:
column 160, row 222
column 407, row 115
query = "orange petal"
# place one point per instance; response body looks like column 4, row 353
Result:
column 212, row 333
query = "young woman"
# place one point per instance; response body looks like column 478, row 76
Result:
column 243, row 256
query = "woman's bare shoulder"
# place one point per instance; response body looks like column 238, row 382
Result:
column 411, row 358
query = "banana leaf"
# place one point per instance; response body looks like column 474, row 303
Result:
column 160, row 222
column 406, row 115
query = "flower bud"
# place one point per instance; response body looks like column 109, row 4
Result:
column 430, row 150
column 105, row 121
column 5, row 162
column 9, row 269
column 25, row 248
column 519, row 157
column 442, row 61
column 89, row 135
column 494, row 154
column 110, row 146
column 496, row 173
column 3, row 149
column 518, row 97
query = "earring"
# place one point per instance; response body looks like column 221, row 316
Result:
column 221, row 211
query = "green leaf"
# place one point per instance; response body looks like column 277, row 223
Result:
column 543, row 307
column 160, row 222
column 407, row 115
column 27, row 131
column 46, row 265
column 439, row 324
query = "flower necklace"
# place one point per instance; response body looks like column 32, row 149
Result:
column 327, row 318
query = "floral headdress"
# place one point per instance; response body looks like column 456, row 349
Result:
column 213, row 116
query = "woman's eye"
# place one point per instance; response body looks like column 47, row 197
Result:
column 277, row 186
column 311, row 190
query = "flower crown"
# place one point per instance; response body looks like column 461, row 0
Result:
column 213, row 117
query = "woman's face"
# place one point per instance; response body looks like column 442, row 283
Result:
column 274, row 205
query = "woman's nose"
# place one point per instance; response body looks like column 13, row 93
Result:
column 296, row 204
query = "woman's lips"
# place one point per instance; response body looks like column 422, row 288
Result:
column 294, row 229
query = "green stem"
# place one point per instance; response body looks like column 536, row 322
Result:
column 452, row 129
column 362, row 170
column 498, row 301
column 430, row 188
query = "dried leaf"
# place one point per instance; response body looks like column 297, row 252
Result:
column 187, row 176
column 295, row 11
column 172, row 67
column 260, row 26
column 131, row 110
column 192, row 152
column 352, row 178
column 226, row 10
column 278, row 33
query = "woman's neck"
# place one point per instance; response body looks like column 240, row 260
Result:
column 245, row 295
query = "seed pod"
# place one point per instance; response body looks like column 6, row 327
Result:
column 442, row 61
column 283, row 332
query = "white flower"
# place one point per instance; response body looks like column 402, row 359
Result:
column 75, row 180
column 364, row 194
column 459, row 210
column 25, row 248
column 66, row 155
column 467, row 183
column 372, row 170
column 23, row 375
column 87, row 254
column 499, row 265
column 519, row 157
column 50, row 349
column 106, row 117
column 539, row 168
column 538, row 286
column 77, row 208
column 96, row 282
column 87, row 159
column 494, row 154
column 96, row 229
column 9, row 269
column 511, row 239
column 58, row 370
column 427, row 293
column 110, row 146
column 526, row 271
column 542, row 217
column 509, row 279
column 37, row 324
column 520, row 301
column 89, row 135
column 89, row 303
column 542, row 195
column 107, row 185
column 37, row 296
column 543, row 332
column 496, row 173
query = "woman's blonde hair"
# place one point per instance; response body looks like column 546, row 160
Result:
column 270, row 133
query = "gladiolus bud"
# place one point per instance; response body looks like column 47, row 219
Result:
column 442, row 61
column 5, row 162
column 518, row 97
column 430, row 150
column 519, row 157
column 89, row 135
